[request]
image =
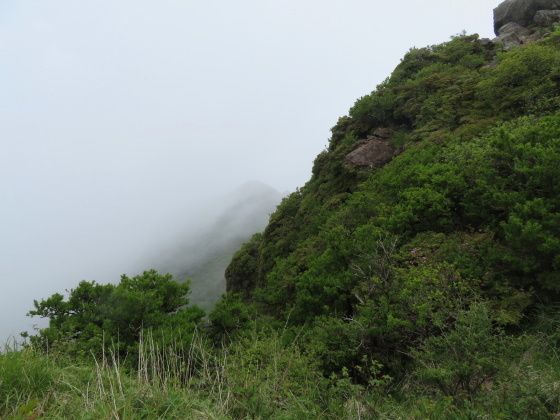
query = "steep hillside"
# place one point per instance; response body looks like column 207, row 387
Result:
column 439, row 188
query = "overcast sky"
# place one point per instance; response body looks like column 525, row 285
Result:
column 124, row 121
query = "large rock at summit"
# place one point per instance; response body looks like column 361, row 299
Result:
column 521, row 12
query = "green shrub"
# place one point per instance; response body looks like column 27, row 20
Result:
column 97, row 317
column 467, row 355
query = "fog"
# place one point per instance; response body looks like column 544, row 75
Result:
column 126, row 124
column 202, row 255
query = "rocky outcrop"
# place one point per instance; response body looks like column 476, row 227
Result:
column 518, row 22
column 513, row 35
column 546, row 18
column 374, row 152
column 521, row 12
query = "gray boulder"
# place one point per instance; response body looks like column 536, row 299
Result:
column 521, row 12
column 513, row 35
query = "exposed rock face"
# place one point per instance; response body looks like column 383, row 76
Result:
column 521, row 12
column 513, row 35
column 547, row 17
column 371, row 153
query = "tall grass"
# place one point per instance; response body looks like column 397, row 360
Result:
column 23, row 374
column 259, row 375
column 178, row 381
column 36, row 385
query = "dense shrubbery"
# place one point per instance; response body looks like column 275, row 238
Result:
column 502, row 182
column 463, row 223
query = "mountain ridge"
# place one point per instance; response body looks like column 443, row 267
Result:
column 438, row 98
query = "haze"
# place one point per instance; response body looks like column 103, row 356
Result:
column 126, row 122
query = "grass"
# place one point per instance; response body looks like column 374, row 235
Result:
column 35, row 385
column 260, row 376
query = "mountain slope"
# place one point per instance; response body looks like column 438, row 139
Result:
column 459, row 203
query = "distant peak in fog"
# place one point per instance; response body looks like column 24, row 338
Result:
column 250, row 200
column 253, row 188
column 203, row 256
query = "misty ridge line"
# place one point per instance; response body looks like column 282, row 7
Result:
column 204, row 256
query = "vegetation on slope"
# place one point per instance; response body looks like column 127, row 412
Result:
column 471, row 197
column 425, row 288
column 383, row 263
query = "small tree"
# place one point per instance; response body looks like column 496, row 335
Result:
column 97, row 316
column 466, row 355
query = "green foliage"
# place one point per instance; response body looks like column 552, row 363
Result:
column 465, row 356
column 402, row 312
column 503, row 185
column 385, row 263
column 229, row 315
column 23, row 373
column 522, row 188
column 96, row 317
column 373, row 110
column 437, row 95
column 361, row 399
column 526, row 80
column 267, row 373
column 400, row 255
column 334, row 343
column 243, row 271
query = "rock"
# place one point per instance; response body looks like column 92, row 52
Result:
column 372, row 153
column 512, row 35
column 514, row 28
column 547, row 17
column 521, row 12
column 535, row 37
